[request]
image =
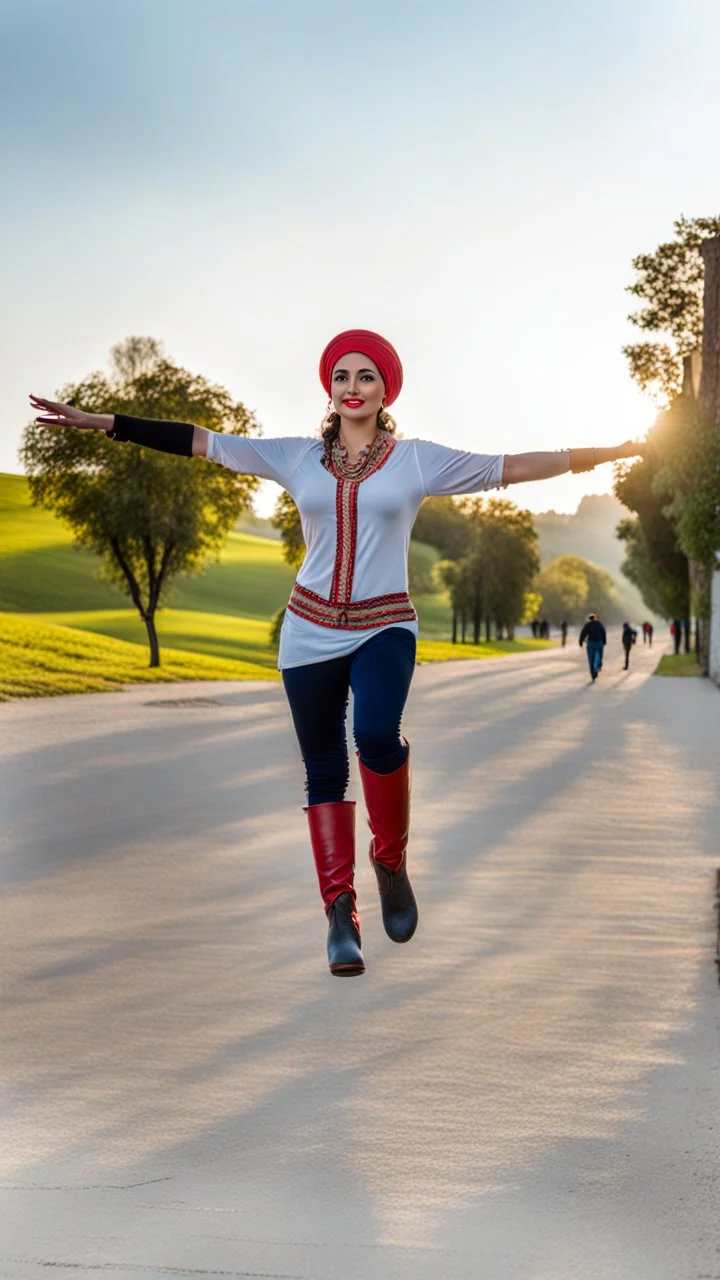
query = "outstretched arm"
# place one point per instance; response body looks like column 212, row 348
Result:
column 518, row 468
column 183, row 438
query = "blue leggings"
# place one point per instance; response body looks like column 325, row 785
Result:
column 379, row 674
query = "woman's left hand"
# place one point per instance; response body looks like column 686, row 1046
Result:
column 630, row 449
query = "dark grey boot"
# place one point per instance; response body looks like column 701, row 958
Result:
column 397, row 902
column 343, row 945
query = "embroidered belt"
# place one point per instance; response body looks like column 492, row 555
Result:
column 356, row 615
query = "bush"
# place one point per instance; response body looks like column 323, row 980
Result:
column 275, row 626
column 421, row 561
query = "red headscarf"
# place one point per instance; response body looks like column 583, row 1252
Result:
column 381, row 352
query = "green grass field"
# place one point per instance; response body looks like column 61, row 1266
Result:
column 215, row 625
column 41, row 660
column 678, row 664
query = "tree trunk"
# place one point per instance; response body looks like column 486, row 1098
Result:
column 487, row 630
column 700, row 588
column 710, row 404
column 149, row 621
column 463, row 625
column 710, row 375
column 454, row 626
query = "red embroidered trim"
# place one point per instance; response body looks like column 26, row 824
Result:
column 346, row 503
column 377, row 611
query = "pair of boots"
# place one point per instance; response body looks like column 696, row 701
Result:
column 332, row 835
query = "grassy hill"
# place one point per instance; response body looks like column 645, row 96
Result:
column 41, row 572
column 215, row 625
column 36, row 660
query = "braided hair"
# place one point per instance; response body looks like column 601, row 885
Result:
column 330, row 427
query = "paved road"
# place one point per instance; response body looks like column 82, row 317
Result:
column 529, row 1091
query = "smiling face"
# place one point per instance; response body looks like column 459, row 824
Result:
column 357, row 388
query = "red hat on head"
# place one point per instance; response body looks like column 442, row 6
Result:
column 381, row 352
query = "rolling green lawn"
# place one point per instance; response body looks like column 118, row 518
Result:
column 217, row 622
column 678, row 664
column 40, row 660
column 220, row 635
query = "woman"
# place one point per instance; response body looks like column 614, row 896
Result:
column 349, row 621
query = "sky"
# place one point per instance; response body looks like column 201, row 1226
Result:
column 242, row 179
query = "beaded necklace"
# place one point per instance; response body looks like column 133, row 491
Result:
column 339, row 464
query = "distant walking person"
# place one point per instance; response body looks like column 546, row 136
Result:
column 563, row 632
column 596, row 636
column 650, row 630
column 628, row 640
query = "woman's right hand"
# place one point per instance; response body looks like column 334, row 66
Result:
column 63, row 415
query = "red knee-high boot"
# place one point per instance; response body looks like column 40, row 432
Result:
column 332, row 836
column 387, row 797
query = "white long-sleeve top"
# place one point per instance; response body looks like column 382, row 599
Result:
column 387, row 504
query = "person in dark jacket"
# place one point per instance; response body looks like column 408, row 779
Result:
column 563, row 632
column 628, row 640
column 596, row 636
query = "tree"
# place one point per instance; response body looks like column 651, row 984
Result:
column 571, row 585
column 508, row 547
column 494, row 577
column 422, row 559
column 686, row 450
column 670, row 282
column 150, row 516
column 286, row 518
column 448, row 574
column 654, row 559
column 533, row 602
column 563, row 591
column 442, row 523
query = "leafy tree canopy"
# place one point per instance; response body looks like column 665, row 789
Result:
column 572, row 586
column 654, row 559
column 686, row 455
column 150, row 516
column 286, row 519
column 443, row 523
column 490, row 582
column 670, row 282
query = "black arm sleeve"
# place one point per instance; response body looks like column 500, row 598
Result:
column 583, row 634
column 168, row 437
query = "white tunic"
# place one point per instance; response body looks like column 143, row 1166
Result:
column 387, row 504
